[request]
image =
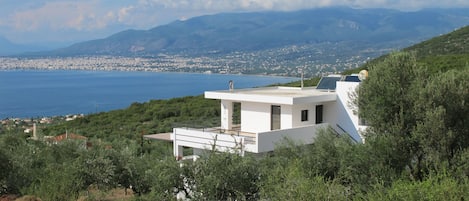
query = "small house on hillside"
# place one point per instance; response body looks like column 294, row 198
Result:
column 66, row 136
column 257, row 119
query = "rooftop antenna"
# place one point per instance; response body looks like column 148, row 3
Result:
column 231, row 85
column 34, row 131
column 302, row 78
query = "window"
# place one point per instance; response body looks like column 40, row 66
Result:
column 236, row 117
column 275, row 117
column 304, row 115
column 319, row 111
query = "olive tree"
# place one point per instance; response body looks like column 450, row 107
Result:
column 386, row 101
column 420, row 118
column 443, row 130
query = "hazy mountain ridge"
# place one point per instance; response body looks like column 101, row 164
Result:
column 262, row 30
column 10, row 48
column 7, row 47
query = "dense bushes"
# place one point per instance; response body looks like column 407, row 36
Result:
column 331, row 169
column 156, row 116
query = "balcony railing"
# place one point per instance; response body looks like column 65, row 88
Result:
column 249, row 137
column 229, row 140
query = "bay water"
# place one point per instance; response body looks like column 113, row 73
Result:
column 36, row 93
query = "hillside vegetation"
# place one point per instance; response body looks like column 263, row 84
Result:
column 450, row 51
column 439, row 54
column 156, row 116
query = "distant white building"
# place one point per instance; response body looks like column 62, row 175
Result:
column 265, row 116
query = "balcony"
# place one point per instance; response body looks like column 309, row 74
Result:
column 237, row 141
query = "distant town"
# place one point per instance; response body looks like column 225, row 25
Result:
column 166, row 63
column 26, row 124
column 287, row 61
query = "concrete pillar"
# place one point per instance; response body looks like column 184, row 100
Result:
column 177, row 150
column 35, row 132
column 241, row 152
column 226, row 114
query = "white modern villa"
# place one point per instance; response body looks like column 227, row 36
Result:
column 264, row 117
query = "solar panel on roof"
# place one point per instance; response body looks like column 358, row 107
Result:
column 328, row 83
column 351, row 78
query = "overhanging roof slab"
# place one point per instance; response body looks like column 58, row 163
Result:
column 274, row 95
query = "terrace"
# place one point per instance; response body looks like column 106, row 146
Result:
column 237, row 141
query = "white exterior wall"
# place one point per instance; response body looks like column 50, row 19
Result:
column 226, row 114
column 329, row 112
column 268, row 141
column 297, row 115
column 255, row 117
column 286, row 117
column 346, row 117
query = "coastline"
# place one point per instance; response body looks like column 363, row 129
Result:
column 165, row 63
column 143, row 70
column 48, row 93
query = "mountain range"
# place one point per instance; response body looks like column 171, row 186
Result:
column 229, row 32
column 9, row 48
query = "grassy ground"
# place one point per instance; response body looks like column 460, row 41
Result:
column 117, row 194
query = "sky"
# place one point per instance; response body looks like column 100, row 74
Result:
column 69, row 21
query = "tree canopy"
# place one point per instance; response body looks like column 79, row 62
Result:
column 422, row 115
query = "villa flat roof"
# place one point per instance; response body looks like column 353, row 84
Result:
column 274, row 95
column 159, row 136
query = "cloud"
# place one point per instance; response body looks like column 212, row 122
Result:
column 249, row 5
column 57, row 15
column 90, row 15
column 124, row 12
column 46, row 17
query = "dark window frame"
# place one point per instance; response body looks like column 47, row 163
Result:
column 275, row 117
column 319, row 114
column 304, row 115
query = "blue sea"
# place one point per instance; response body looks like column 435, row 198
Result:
column 28, row 93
